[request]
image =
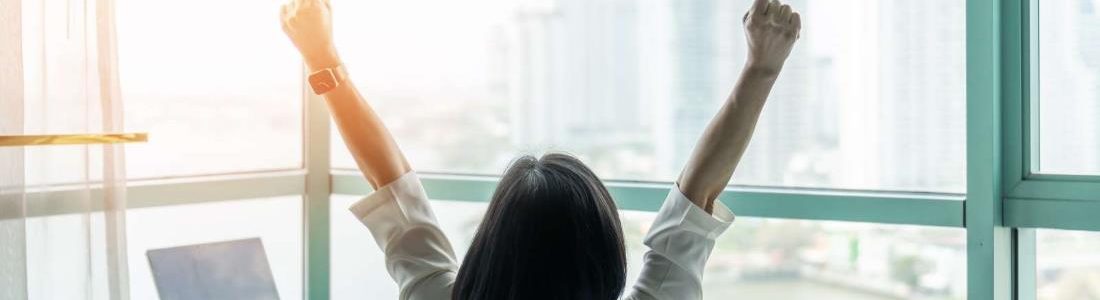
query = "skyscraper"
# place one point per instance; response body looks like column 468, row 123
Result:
column 923, row 111
column 578, row 79
column 1069, row 86
column 707, row 53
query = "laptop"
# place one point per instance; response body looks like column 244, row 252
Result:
column 230, row 270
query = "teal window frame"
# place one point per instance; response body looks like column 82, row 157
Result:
column 1035, row 200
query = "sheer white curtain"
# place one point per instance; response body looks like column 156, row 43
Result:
column 62, row 208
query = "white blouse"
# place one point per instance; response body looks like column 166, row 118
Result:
column 421, row 260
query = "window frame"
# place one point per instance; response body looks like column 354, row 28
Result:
column 1004, row 204
column 1032, row 200
column 1036, row 200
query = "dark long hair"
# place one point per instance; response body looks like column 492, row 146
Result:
column 551, row 232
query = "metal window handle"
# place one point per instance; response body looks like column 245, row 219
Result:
column 72, row 139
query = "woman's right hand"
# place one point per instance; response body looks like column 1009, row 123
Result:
column 308, row 24
column 771, row 28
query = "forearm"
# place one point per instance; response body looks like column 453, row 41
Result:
column 366, row 136
column 308, row 24
column 725, row 139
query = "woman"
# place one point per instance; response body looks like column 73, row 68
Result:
column 552, row 230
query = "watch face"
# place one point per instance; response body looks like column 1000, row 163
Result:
column 322, row 81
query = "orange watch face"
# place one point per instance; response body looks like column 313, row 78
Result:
column 323, row 81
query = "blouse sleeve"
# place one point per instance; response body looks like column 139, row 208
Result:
column 418, row 256
column 680, row 241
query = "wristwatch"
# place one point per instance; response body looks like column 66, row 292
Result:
column 327, row 79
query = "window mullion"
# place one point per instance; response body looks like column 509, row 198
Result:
column 318, row 192
column 988, row 242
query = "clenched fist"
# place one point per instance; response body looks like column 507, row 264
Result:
column 771, row 28
column 308, row 23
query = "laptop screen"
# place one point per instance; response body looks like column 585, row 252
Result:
column 215, row 271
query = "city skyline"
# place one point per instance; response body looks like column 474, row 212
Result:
column 626, row 81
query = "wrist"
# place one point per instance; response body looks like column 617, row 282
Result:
column 761, row 70
column 322, row 60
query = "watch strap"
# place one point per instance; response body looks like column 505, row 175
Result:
column 324, row 80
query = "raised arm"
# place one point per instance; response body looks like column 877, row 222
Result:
column 308, row 23
column 418, row 255
column 771, row 29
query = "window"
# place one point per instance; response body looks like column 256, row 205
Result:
column 1068, row 265
column 1069, row 86
column 793, row 259
column 872, row 98
column 361, row 272
column 276, row 221
column 756, row 259
column 1059, row 125
column 215, row 98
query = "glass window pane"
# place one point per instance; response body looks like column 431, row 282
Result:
column 1068, row 264
column 218, row 90
column 872, row 98
column 755, row 259
column 795, row 259
column 359, row 269
column 276, row 221
column 1069, row 86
